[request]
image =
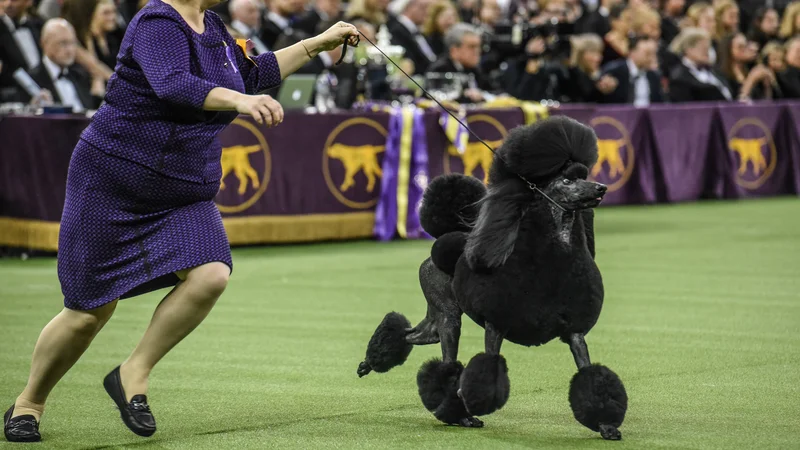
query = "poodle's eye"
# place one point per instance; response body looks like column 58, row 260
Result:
column 567, row 181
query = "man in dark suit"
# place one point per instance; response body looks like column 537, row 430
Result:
column 280, row 20
column 406, row 33
column 463, row 42
column 67, row 83
column 694, row 80
column 321, row 11
column 637, row 81
column 19, row 42
column 246, row 23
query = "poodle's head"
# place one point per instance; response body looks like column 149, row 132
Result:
column 572, row 191
column 554, row 154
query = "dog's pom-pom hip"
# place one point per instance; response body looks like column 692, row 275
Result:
column 450, row 204
column 598, row 400
column 388, row 347
column 485, row 384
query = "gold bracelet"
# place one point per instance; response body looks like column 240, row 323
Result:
column 303, row 41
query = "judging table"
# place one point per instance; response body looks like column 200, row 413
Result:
column 331, row 176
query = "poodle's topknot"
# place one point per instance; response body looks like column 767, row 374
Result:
column 539, row 151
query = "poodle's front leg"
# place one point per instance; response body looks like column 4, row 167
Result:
column 596, row 394
column 484, row 384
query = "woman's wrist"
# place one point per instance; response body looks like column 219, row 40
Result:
column 312, row 46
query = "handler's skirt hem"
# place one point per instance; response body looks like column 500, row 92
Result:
column 126, row 229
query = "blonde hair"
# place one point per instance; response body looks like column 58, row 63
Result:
column 719, row 10
column 770, row 47
column 789, row 19
column 688, row 38
column 642, row 16
column 581, row 44
column 695, row 11
column 429, row 28
column 359, row 8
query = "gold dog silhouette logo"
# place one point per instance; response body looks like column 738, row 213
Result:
column 615, row 153
column 246, row 167
column 351, row 162
column 476, row 159
column 754, row 148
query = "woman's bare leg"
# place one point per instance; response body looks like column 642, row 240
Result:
column 60, row 345
column 175, row 317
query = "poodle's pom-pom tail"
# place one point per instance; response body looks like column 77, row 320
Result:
column 450, row 204
column 485, row 384
column 598, row 400
column 438, row 388
column 388, row 347
column 447, row 250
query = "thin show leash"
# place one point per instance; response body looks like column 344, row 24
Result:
column 531, row 186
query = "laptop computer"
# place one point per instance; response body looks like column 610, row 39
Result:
column 296, row 91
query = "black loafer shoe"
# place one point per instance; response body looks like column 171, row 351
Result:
column 136, row 415
column 20, row 429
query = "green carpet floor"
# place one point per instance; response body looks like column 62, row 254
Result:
column 701, row 322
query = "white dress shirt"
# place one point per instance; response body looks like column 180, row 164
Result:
column 66, row 89
column 641, row 87
column 25, row 42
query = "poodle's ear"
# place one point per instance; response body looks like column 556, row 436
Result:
column 492, row 240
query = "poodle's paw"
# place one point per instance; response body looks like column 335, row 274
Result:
column 438, row 384
column 471, row 422
column 363, row 369
column 598, row 400
column 610, row 433
column 484, row 384
column 388, row 347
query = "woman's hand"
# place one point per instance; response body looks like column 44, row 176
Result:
column 264, row 109
column 336, row 36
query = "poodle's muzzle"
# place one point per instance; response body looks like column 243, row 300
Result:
column 576, row 194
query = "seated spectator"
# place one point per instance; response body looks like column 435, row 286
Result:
column 789, row 79
column 773, row 56
column 95, row 23
column 441, row 17
column 637, row 81
column 405, row 30
column 464, row 54
column 597, row 21
column 329, row 11
column 790, row 25
column 532, row 76
column 616, row 40
column 727, row 18
column 585, row 83
column 58, row 73
column 736, row 55
column 20, row 33
column 694, row 79
column 765, row 26
column 278, row 20
column 671, row 12
column 373, row 11
column 701, row 15
column 246, row 23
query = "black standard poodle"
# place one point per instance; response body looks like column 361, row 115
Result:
column 518, row 259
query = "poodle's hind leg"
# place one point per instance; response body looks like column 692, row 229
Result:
column 596, row 394
column 484, row 385
column 427, row 331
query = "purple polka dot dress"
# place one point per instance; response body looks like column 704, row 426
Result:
column 143, row 177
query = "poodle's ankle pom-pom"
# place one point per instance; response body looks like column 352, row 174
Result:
column 388, row 347
column 484, row 384
column 446, row 251
column 598, row 398
column 438, row 388
column 450, row 204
